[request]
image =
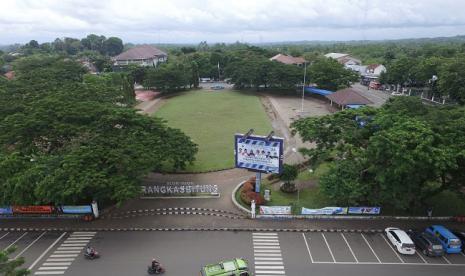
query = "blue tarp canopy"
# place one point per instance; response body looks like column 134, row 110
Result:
column 354, row 106
column 311, row 89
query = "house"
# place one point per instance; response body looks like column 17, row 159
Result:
column 143, row 55
column 344, row 59
column 299, row 61
column 375, row 69
column 348, row 98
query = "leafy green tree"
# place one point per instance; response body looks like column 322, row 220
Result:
column 11, row 267
column 113, row 46
column 329, row 74
column 452, row 79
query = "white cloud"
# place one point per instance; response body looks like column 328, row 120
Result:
column 230, row 20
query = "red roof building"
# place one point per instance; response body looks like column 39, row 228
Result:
column 348, row 97
column 143, row 55
column 289, row 59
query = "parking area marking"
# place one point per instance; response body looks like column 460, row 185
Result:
column 4, row 235
column 46, row 251
column 31, row 244
column 390, row 246
column 350, row 248
column 371, row 248
column 329, row 248
column 308, row 248
column 367, row 249
column 268, row 258
column 13, row 243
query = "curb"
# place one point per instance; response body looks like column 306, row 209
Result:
column 233, row 197
column 174, row 211
column 180, row 229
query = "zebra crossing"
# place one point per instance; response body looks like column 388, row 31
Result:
column 59, row 261
column 268, row 259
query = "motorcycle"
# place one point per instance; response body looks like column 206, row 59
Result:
column 157, row 270
column 96, row 255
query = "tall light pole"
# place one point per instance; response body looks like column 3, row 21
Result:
column 303, row 88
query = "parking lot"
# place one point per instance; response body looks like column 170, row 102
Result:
column 184, row 252
column 358, row 248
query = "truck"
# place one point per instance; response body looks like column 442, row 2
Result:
column 234, row 267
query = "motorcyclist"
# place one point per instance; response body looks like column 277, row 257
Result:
column 90, row 251
column 155, row 265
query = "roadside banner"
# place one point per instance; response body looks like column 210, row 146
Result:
column 275, row 210
column 6, row 210
column 33, row 209
column 325, row 211
column 78, row 209
column 365, row 210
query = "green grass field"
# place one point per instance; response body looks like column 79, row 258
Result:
column 211, row 119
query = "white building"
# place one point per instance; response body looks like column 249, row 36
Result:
column 344, row 59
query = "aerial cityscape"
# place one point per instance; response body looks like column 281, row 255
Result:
column 232, row 138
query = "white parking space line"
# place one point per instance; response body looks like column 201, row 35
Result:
column 461, row 253
column 13, row 243
column 371, row 248
column 447, row 260
column 393, row 250
column 350, row 248
column 31, row 244
column 374, row 263
column 4, row 235
column 46, row 251
column 308, row 248
column 329, row 248
column 419, row 254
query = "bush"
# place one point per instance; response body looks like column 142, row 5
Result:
column 247, row 198
column 248, row 186
column 288, row 187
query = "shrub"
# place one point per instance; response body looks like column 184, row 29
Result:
column 247, row 198
column 288, row 187
column 248, row 186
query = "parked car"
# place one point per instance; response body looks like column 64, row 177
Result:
column 449, row 241
column 395, row 93
column 400, row 240
column 461, row 236
column 217, row 87
column 427, row 243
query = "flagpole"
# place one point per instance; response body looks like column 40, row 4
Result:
column 218, row 71
column 303, row 88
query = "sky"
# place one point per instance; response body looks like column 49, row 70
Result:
column 251, row 21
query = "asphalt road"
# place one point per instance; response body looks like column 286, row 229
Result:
column 183, row 253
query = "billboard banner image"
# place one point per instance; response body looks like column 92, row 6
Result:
column 6, row 210
column 259, row 154
column 275, row 210
column 33, row 209
column 79, row 209
column 325, row 211
column 365, row 210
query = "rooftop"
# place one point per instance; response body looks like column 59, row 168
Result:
column 140, row 52
column 348, row 96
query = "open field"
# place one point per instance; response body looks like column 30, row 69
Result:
column 211, row 119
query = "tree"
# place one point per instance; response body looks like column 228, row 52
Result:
column 329, row 74
column 452, row 79
column 288, row 175
column 10, row 267
column 33, row 44
column 113, row 46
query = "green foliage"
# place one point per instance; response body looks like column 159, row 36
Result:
column 11, row 267
column 406, row 153
column 452, row 79
column 329, row 74
column 289, row 173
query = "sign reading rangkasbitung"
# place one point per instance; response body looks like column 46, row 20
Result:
column 259, row 154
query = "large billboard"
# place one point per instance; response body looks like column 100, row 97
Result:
column 258, row 153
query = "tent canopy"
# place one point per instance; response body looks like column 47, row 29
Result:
column 314, row 90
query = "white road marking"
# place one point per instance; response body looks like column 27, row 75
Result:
column 46, row 251
column 267, row 247
column 269, row 272
column 268, row 263
column 350, row 248
column 70, row 248
column 461, row 253
column 25, row 233
column 4, row 235
column 268, row 259
column 67, row 251
column 266, row 243
column 265, row 234
column 421, row 256
column 390, row 246
column 330, row 251
column 267, row 251
column 57, row 263
column 374, row 263
column 74, row 244
column 31, row 244
column 49, row 272
column 372, row 251
column 63, row 255
column 79, row 238
column 268, row 254
column 447, row 260
column 308, row 248
column 77, row 233
column 260, row 267
column 53, row 268
column 60, row 259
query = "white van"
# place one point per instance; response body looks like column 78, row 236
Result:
column 400, row 240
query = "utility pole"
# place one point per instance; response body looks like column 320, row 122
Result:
column 303, row 88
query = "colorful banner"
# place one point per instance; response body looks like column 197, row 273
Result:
column 258, row 153
column 365, row 210
column 79, row 209
column 6, row 210
column 275, row 210
column 325, row 211
column 39, row 209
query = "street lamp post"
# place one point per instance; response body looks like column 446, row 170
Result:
column 303, row 88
